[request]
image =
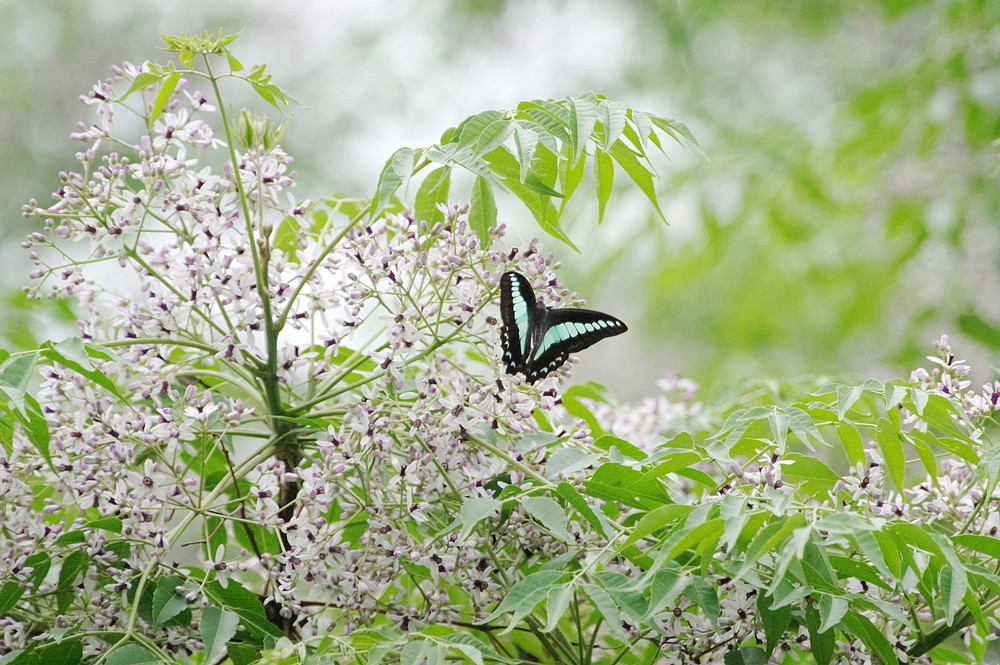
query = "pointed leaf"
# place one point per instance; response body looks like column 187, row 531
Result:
column 482, row 209
column 217, row 627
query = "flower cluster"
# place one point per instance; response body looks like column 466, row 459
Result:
column 239, row 324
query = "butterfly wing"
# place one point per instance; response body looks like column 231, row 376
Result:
column 567, row 331
column 519, row 312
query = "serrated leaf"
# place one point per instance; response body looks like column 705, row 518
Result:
column 416, row 652
column 891, row 446
column 217, row 627
column 10, row 593
column 167, row 87
column 953, row 578
column 493, row 136
column 133, row 654
column 482, row 209
column 703, row 594
column 549, row 513
column 640, row 175
column 664, row 588
column 141, row 82
column 846, row 397
column 654, row 520
column 167, row 602
column 569, row 460
column 525, row 140
column 612, row 116
column 248, row 606
column 397, row 169
column 940, row 413
column 595, row 519
column 604, row 177
column 556, row 601
column 775, row 622
column 854, row 445
column 583, row 117
column 606, row 606
column 822, row 643
column 870, row 636
column 433, row 190
column 473, row 511
column 831, row 610
column 524, row 591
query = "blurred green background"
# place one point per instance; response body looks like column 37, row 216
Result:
column 849, row 213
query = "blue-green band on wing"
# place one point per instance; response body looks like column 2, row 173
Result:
column 537, row 340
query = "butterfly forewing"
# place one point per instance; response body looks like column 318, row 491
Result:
column 537, row 340
column 518, row 309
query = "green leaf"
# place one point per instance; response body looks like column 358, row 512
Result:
column 703, row 594
column 940, row 413
column 473, row 511
column 664, row 588
column 859, row 570
column 769, row 538
column 745, row 656
column 817, row 479
column 433, row 190
column 482, row 209
column 871, row 637
column 775, row 622
column 234, row 64
column 10, row 593
column 217, row 628
column 18, row 370
column 525, row 595
column 493, row 136
column 133, row 654
column 954, row 580
column 604, row 177
column 617, row 482
column 73, row 565
column 854, row 445
column 167, row 87
column 525, row 140
column 654, row 520
column 167, row 601
column 975, row 327
column 612, row 116
column 846, row 397
column 549, row 513
column 236, row 598
column 569, row 460
column 583, row 117
column 891, row 445
column 141, row 82
column 416, row 652
column 607, row 608
column 983, row 544
column 73, row 354
column 556, row 602
column 822, row 643
column 595, row 519
column 639, row 174
column 831, row 610
column 397, row 169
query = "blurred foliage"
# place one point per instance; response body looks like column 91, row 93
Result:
column 848, row 216
column 851, row 210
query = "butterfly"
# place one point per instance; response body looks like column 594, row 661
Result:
column 537, row 339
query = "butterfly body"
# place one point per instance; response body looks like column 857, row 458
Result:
column 536, row 339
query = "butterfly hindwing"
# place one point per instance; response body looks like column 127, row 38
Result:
column 537, row 340
column 567, row 331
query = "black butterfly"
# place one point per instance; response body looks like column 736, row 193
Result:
column 537, row 339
